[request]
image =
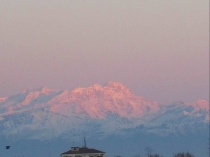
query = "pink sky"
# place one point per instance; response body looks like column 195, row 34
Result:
column 159, row 49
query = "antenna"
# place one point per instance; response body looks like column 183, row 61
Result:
column 84, row 142
column 73, row 144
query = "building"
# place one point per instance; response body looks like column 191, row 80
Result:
column 83, row 152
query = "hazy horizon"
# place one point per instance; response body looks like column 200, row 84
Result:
column 158, row 49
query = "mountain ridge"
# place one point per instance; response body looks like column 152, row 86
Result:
column 110, row 109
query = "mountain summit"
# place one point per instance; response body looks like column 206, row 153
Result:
column 92, row 110
column 98, row 101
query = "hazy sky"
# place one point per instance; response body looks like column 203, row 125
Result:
column 157, row 48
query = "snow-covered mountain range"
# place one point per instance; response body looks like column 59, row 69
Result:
column 97, row 110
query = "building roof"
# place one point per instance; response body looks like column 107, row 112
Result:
column 83, row 150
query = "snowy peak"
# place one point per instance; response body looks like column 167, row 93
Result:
column 108, row 109
column 95, row 101
column 98, row 101
column 26, row 101
column 43, row 90
column 2, row 99
column 111, row 87
column 118, row 87
column 200, row 105
column 46, row 90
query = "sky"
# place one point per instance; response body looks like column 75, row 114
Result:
column 158, row 49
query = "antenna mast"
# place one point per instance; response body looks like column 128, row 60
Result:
column 85, row 142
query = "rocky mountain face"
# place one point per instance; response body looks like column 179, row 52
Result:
column 97, row 110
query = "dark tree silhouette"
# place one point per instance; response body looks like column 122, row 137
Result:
column 156, row 155
column 148, row 152
column 183, row 155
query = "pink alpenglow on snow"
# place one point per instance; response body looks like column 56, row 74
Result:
column 200, row 105
column 97, row 101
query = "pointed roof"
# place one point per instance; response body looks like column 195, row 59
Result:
column 83, row 150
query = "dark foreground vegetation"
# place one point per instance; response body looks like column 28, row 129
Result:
column 149, row 153
column 176, row 155
column 183, row 155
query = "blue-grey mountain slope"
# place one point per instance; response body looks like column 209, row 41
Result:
column 111, row 117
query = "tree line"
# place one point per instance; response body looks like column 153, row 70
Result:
column 150, row 153
column 176, row 155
